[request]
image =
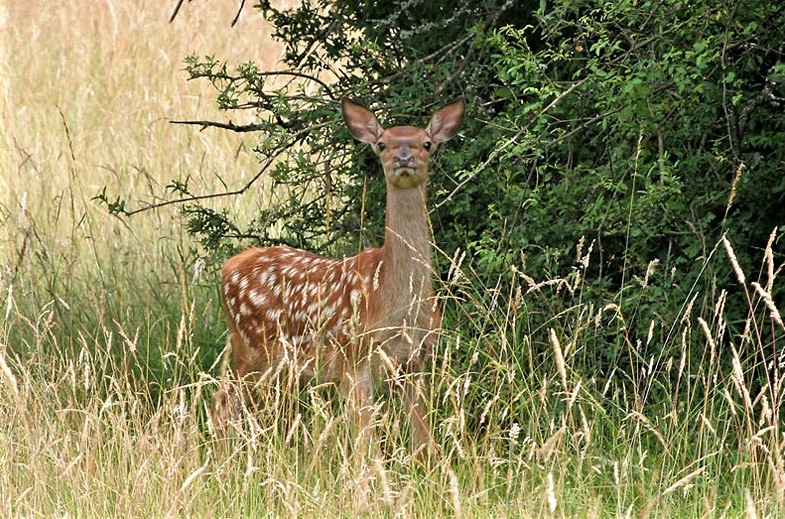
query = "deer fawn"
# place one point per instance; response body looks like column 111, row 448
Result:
column 346, row 321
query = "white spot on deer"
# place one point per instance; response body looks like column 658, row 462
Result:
column 235, row 278
column 346, row 328
column 273, row 314
column 244, row 283
column 329, row 312
column 335, row 331
column 354, row 297
column 244, row 309
column 297, row 290
column 258, row 298
column 311, row 310
column 242, row 296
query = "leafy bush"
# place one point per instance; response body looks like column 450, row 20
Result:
column 612, row 142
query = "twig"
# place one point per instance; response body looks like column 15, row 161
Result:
column 237, row 16
column 292, row 73
column 585, row 124
column 180, row 4
column 564, row 94
column 479, row 168
column 176, row 10
column 195, row 198
column 239, row 128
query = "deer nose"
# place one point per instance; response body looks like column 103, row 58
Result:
column 404, row 158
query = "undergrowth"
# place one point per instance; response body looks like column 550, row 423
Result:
column 525, row 426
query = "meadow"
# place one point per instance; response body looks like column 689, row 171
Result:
column 111, row 329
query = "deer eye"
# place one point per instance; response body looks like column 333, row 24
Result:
column 427, row 145
column 381, row 146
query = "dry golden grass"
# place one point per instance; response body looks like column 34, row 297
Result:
column 87, row 101
column 87, row 89
column 103, row 323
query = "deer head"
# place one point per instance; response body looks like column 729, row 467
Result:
column 404, row 150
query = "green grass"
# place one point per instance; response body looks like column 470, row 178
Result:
column 110, row 334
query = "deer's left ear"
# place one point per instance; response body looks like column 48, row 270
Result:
column 446, row 122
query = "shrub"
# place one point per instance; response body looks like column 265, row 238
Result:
column 642, row 131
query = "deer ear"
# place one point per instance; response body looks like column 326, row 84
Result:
column 446, row 122
column 361, row 122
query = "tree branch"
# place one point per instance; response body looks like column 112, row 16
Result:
column 292, row 139
column 239, row 128
column 176, row 10
column 237, row 16
column 194, row 198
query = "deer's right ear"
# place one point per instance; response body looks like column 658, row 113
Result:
column 361, row 122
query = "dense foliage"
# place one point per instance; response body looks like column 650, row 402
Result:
column 615, row 141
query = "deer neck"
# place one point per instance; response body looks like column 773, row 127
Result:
column 406, row 279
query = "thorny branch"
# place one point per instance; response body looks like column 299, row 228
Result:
column 239, row 128
column 271, row 159
column 194, row 198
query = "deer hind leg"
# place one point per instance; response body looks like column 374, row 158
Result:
column 235, row 391
column 225, row 408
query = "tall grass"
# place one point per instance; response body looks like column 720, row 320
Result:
column 111, row 333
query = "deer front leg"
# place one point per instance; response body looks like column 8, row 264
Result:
column 357, row 387
column 423, row 444
column 422, row 440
